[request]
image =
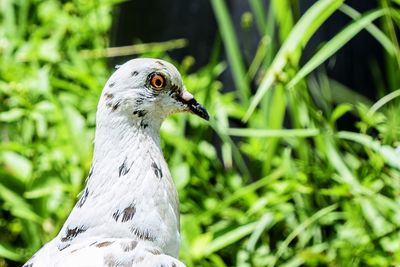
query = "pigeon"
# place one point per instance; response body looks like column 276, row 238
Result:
column 128, row 212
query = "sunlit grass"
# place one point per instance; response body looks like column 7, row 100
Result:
column 304, row 193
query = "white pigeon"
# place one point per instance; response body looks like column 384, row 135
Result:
column 128, row 214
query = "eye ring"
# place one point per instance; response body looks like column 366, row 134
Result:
column 157, row 81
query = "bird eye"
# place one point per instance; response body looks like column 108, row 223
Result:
column 157, row 81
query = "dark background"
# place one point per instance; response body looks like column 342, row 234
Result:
column 159, row 20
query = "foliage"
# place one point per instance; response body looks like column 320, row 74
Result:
column 255, row 195
column 48, row 94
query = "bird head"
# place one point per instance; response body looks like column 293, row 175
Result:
column 149, row 90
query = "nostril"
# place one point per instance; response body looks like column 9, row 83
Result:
column 186, row 96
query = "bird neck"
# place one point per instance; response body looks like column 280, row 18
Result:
column 114, row 134
column 129, row 192
column 126, row 152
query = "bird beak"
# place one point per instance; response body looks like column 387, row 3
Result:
column 193, row 106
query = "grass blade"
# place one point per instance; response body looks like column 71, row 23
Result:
column 230, row 237
column 298, row 37
column 303, row 226
column 266, row 221
column 232, row 49
column 259, row 133
column 133, row 49
column 9, row 254
column 258, row 10
column 381, row 102
column 372, row 29
column 334, row 45
column 342, row 94
column 336, row 160
column 388, row 153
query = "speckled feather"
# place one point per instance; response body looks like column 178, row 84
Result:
column 128, row 213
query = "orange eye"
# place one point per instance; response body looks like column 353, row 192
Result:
column 157, row 81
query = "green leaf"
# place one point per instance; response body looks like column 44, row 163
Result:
column 335, row 44
column 230, row 238
column 342, row 94
column 265, row 221
column 259, row 14
column 377, row 222
column 17, row 205
column 12, row 115
column 181, row 174
column 297, row 39
column 232, row 49
column 200, row 245
column 9, row 254
column 372, row 29
column 339, row 111
column 45, row 190
column 17, row 165
column 388, row 153
column 383, row 101
column 259, row 133
column 302, row 227
column 336, row 160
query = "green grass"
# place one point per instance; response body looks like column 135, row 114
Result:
column 259, row 195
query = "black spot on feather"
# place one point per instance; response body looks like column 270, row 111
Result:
column 129, row 246
column 104, row 244
column 83, row 198
column 141, row 95
column 138, row 259
column 143, row 234
column 111, row 84
column 116, row 105
column 128, row 213
column 139, row 101
column 143, row 124
column 116, row 215
column 157, row 170
column 154, row 251
column 91, row 171
column 160, row 63
column 139, row 113
column 134, row 73
column 174, row 88
column 110, row 260
column 64, row 247
column 108, row 96
column 124, row 169
column 28, row 265
column 72, row 233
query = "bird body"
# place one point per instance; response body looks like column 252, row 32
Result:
column 128, row 213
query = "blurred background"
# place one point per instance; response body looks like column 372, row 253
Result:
column 299, row 165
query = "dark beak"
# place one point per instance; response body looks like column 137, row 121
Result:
column 193, row 106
